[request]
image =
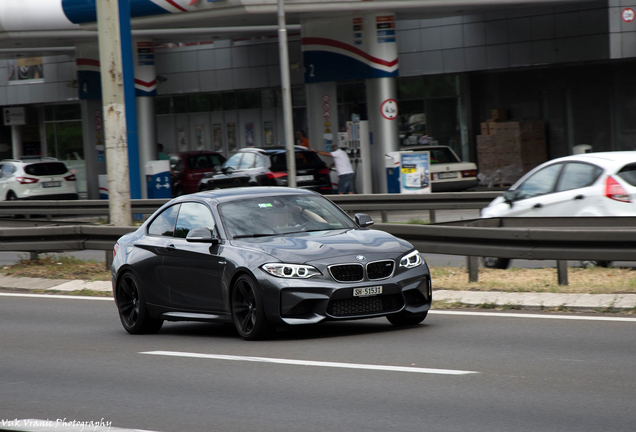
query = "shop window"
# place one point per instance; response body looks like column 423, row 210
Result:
column 412, row 123
column 216, row 102
column 198, row 103
column 299, row 98
column 229, row 101
column 410, row 88
column 180, row 104
column 268, row 98
column 63, row 112
column 163, row 105
column 443, row 85
column 248, row 99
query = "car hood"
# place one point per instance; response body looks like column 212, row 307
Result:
column 327, row 245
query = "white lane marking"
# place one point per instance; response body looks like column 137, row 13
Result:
column 53, row 296
column 311, row 363
column 534, row 316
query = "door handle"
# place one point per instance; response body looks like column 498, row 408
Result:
column 579, row 197
column 537, row 205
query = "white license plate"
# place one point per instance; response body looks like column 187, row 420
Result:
column 304, row 178
column 447, row 175
column 368, row 291
column 52, row 184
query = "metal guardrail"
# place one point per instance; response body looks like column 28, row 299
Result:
column 602, row 239
column 360, row 203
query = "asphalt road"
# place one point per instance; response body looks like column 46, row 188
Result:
column 71, row 359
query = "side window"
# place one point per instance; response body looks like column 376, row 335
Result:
column 247, row 161
column 163, row 225
column 191, row 216
column 233, row 162
column 578, row 175
column 7, row 170
column 540, row 183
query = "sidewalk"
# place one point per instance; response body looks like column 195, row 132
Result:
column 489, row 299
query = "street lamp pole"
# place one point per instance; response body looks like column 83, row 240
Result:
column 286, row 93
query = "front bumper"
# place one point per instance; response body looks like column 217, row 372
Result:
column 311, row 302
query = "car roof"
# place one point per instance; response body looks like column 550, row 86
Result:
column 424, row 147
column 31, row 159
column 224, row 195
column 272, row 150
column 194, row 153
column 623, row 157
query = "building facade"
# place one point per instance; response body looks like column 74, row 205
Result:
column 569, row 66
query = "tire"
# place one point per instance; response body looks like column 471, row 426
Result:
column 603, row 264
column 248, row 314
column 11, row 196
column 496, row 263
column 131, row 304
column 403, row 319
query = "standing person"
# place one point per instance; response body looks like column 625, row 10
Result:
column 301, row 139
column 160, row 154
column 343, row 168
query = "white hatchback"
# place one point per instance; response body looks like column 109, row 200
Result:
column 590, row 184
column 42, row 179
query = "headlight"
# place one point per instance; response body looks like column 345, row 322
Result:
column 411, row 260
column 291, row 270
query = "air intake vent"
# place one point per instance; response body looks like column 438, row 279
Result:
column 365, row 306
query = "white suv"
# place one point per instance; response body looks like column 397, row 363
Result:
column 41, row 178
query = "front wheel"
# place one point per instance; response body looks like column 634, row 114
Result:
column 496, row 263
column 404, row 318
column 247, row 310
column 133, row 312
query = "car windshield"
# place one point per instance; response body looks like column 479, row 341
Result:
column 275, row 215
column 46, row 168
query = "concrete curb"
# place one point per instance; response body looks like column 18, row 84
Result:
column 598, row 302
column 8, row 283
column 540, row 300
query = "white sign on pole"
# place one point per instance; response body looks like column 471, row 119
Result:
column 14, row 116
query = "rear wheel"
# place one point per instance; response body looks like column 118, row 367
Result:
column 405, row 318
column 248, row 314
column 603, row 264
column 496, row 263
column 133, row 312
column 11, row 196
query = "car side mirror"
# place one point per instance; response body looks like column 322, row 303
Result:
column 201, row 235
column 510, row 196
column 364, row 220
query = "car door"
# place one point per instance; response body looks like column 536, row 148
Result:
column 575, row 194
column 193, row 270
column 149, row 252
column 535, row 197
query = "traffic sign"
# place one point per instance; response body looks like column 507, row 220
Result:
column 389, row 109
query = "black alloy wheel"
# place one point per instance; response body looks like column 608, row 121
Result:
column 132, row 307
column 496, row 263
column 247, row 310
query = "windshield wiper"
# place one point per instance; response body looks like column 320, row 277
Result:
column 255, row 235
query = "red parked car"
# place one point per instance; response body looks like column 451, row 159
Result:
column 189, row 167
